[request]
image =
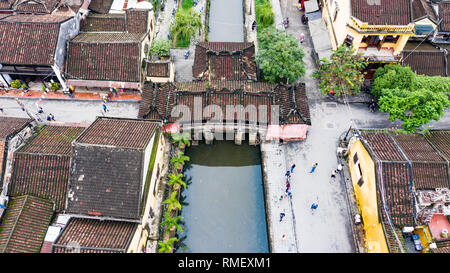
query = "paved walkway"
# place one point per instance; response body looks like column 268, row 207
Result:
column 60, row 95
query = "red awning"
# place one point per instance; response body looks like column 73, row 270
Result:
column 171, row 128
column 287, row 132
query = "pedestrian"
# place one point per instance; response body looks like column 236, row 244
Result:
column 357, row 219
column 281, row 197
column 340, row 167
column 302, row 37
column 333, row 173
column 314, row 166
column 50, row 117
column 288, row 174
column 40, row 110
column 283, row 237
column 1, row 110
column 314, row 206
column 104, row 108
column 292, row 168
column 281, row 216
column 254, row 26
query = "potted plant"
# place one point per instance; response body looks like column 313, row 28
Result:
column 171, row 223
column 167, row 246
column 178, row 161
column 16, row 84
column 181, row 139
column 160, row 48
column 176, row 181
column 173, row 201
column 54, row 86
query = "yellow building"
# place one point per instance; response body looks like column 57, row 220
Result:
column 377, row 29
column 362, row 170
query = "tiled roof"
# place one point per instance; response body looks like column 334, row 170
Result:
column 247, row 86
column 41, row 168
column 440, row 141
column 422, row 9
column 430, row 175
column 157, row 69
column 122, row 133
column 24, row 225
column 44, row 176
column 382, row 146
column 109, row 61
column 444, row 14
column 103, row 22
column 95, row 236
column 28, row 43
column 6, row 4
column 416, row 148
column 430, row 63
column 106, row 181
column 292, row 100
column 55, row 140
column 31, row 7
column 224, row 61
column 100, row 6
column 137, row 21
column 156, row 101
column 442, row 247
column 11, row 125
column 394, row 12
column 398, row 193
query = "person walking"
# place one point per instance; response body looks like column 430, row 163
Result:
column 314, row 166
column 302, row 38
column 288, row 174
column 105, row 109
column 281, row 216
column 314, row 206
column 254, row 26
column 50, row 117
column 292, row 168
column 333, row 173
column 340, row 167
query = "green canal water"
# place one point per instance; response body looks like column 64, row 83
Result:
column 224, row 208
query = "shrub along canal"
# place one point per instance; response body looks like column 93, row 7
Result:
column 225, row 208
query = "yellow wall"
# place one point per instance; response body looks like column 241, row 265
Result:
column 366, row 197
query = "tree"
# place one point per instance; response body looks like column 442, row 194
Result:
column 176, row 180
column 414, row 108
column 171, row 222
column 279, row 57
column 178, row 161
column 264, row 13
column 187, row 24
column 411, row 98
column 342, row 73
column 173, row 201
column 181, row 139
column 167, row 246
column 161, row 48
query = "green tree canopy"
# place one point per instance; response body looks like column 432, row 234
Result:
column 411, row 98
column 342, row 73
column 414, row 108
column 160, row 47
column 187, row 24
column 279, row 57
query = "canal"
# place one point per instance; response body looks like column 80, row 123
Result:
column 226, row 21
column 224, row 209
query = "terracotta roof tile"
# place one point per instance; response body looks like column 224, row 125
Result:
column 106, row 22
column 55, row 140
column 444, row 14
column 394, row 12
column 44, row 176
column 440, row 141
column 24, row 225
column 224, row 61
column 101, row 6
column 416, row 148
column 430, row 175
column 10, row 125
column 398, row 193
column 106, row 181
column 95, row 236
column 430, row 63
column 157, row 69
column 124, row 133
column 383, row 146
column 29, row 43
column 137, row 21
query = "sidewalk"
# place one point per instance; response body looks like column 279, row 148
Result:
column 17, row 93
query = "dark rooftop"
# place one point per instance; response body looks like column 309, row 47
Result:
column 393, row 12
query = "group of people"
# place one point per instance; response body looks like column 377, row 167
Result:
column 40, row 110
column 288, row 181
